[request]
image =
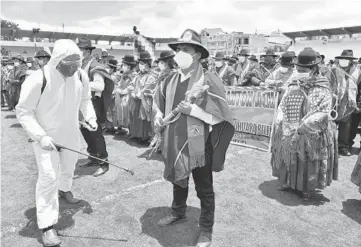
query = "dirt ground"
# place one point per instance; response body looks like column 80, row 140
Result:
column 118, row 209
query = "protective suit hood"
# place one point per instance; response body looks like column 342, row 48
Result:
column 62, row 49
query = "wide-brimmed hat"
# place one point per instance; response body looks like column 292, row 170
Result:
column 270, row 52
column 104, row 54
column 287, row 58
column 112, row 63
column 322, row 56
column 244, row 52
column 164, row 55
column 85, row 43
column 219, row 56
column 190, row 37
column 144, row 56
column 129, row 60
column 235, row 57
column 347, row 54
column 42, row 53
column 253, row 58
column 20, row 58
column 232, row 61
column 307, row 58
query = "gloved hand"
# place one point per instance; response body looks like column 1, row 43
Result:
column 91, row 125
column 47, row 143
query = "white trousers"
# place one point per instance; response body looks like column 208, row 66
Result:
column 55, row 172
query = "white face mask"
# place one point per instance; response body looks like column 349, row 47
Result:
column 125, row 68
column 344, row 63
column 10, row 67
column 29, row 65
column 142, row 67
column 302, row 75
column 184, row 60
column 218, row 64
column 161, row 66
column 16, row 64
column 283, row 69
column 242, row 59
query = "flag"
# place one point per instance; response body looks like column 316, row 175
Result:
column 141, row 44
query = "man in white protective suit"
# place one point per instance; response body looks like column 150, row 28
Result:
column 50, row 115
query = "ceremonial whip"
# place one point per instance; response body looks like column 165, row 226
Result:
column 59, row 147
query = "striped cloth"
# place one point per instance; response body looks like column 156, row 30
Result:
column 141, row 44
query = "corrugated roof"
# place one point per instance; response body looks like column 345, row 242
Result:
column 323, row 32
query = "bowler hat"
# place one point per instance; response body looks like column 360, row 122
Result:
column 232, row 61
column 85, row 43
column 112, row 63
column 129, row 60
column 307, row 58
column 41, row 53
column 20, row 58
column 190, row 37
column 219, row 56
column 243, row 52
column 270, row 52
column 253, row 58
column 144, row 56
column 164, row 55
column 287, row 58
column 347, row 54
column 104, row 54
column 29, row 60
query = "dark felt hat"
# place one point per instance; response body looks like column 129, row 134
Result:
column 164, row 55
column 144, row 56
column 42, row 53
column 190, row 37
column 219, row 56
column 244, row 52
column 287, row 58
column 112, row 63
column 307, row 58
column 104, row 54
column 29, row 60
column 129, row 59
column 270, row 52
column 20, row 58
column 232, row 61
column 85, row 43
column 347, row 54
column 253, row 58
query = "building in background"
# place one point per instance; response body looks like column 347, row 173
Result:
column 216, row 40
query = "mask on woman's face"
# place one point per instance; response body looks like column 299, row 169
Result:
column 284, row 69
column 125, row 68
column 161, row 66
column 218, row 64
column 183, row 59
column 29, row 65
column 343, row 63
column 68, row 69
column 10, row 66
column 16, row 64
column 242, row 59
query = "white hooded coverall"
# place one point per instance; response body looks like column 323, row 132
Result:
column 54, row 113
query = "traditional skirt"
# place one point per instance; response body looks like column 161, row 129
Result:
column 138, row 128
column 356, row 173
column 121, row 111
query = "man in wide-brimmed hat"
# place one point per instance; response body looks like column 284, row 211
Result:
column 345, row 80
column 225, row 72
column 243, row 66
column 42, row 58
column 294, row 146
column 270, row 64
column 122, row 94
column 203, row 119
column 101, row 86
column 140, row 127
column 16, row 78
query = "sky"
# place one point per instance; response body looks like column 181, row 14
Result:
column 171, row 18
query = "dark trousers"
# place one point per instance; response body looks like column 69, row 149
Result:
column 203, row 180
column 95, row 139
column 344, row 131
column 356, row 118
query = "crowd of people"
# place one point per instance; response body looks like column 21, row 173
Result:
column 181, row 97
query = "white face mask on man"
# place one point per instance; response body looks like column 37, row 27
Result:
column 283, row 69
column 183, row 59
column 142, row 67
column 29, row 65
column 242, row 59
column 161, row 66
column 16, row 64
column 10, row 66
column 218, row 64
column 343, row 63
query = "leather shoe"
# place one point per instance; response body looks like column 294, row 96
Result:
column 68, row 196
column 101, row 170
column 171, row 220
column 204, row 239
column 51, row 238
column 344, row 152
column 89, row 163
